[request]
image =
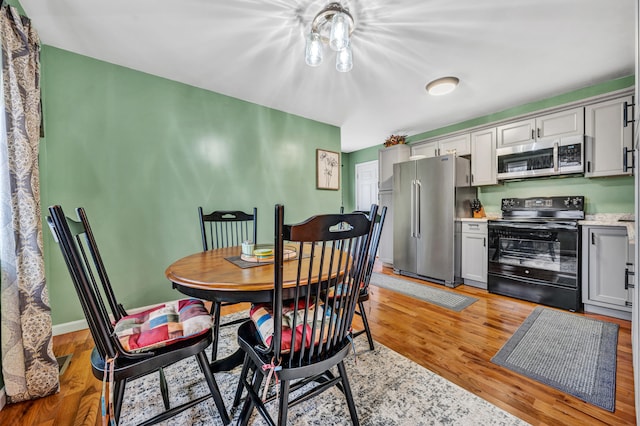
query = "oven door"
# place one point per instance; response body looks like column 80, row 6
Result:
column 541, row 251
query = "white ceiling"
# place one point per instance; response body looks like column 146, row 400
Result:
column 505, row 52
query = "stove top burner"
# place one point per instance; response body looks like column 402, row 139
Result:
column 553, row 208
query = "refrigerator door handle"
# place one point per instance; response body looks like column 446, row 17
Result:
column 413, row 208
column 417, row 214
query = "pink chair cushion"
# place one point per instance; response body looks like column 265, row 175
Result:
column 163, row 325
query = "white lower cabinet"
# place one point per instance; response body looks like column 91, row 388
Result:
column 385, row 247
column 607, row 263
column 474, row 253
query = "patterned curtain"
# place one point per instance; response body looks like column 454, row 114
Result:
column 29, row 367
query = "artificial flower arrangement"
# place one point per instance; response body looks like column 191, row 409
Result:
column 395, row 140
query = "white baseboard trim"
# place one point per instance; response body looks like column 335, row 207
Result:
column 3, row 398
column 72, row 326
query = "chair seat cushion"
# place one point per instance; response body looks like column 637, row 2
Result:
column 262, row 316
column 163, row 325
column 332, row 292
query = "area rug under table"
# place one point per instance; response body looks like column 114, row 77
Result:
column 443, row 298
column 569, row 352
column 388, row 388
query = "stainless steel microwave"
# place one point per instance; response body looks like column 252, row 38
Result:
column 547, row 157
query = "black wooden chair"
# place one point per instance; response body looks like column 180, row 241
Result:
column 89, row 276
column 309, row 334
column 225, row 228
column 371, row 260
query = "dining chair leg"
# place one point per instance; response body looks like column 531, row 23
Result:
column 240, row 388
column 213, row 387
column 252, row 392
column 164, row 389
column 215, row 312
column 283, row 409
column 347, row 393
column 365, row 322
column 118, row 394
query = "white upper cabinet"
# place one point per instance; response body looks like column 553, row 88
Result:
column 429, row 149
column 517, row 133
column 387, row 157
column 559, row 124
column 483, row 157
column 609, row 138
column 457, row 145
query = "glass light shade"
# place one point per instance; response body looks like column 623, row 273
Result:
column 339, row 36
column 313, row 50
column 442, row 86
column 344, row 60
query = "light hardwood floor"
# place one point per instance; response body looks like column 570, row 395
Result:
column 456, row 345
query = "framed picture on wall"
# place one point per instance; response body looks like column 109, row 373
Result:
column 327, row 169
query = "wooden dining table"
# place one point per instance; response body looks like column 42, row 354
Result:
column 212, row 275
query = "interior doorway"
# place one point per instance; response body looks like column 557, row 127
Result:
column 366, row 185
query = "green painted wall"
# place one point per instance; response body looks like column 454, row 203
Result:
column 141, row 153
column 603, row 195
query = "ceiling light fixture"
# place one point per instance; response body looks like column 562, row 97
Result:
column 442, row 86
column 333, row 25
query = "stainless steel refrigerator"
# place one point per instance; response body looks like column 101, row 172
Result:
column 428, row 195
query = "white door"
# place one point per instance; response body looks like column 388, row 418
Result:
column 366, row 185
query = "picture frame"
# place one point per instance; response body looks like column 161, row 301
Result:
column 327, row 169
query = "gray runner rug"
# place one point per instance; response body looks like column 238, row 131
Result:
column 388, row 390
column 444, row 298
column 569, row 352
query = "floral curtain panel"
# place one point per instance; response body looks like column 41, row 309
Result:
column 29, row 367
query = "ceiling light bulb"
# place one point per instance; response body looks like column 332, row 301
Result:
column 442, row 86
column 344, row 60
column 313, row 50
column 339, row 36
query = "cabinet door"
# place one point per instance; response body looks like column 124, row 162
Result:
column 429, row 149
column 516, row 133
column 474, row 257
column 385, row 248
column 483, row 157
column 563, row 123
column 608, row 248
column 387, row 157
column 457, row 145
column 607, row 137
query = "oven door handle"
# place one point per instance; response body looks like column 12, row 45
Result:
column 535, row 226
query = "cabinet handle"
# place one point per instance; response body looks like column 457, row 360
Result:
column 627, row 303
column 484, row 242
column 471, row 177
column 589, row 166
column 533, row 134
column 625, row 114
column 627, row 274
column 593, row 239
column 538, row 132
column 625, row 159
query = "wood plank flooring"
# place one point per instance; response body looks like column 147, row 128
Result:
column 456, row 345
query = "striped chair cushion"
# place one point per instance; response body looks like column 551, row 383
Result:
column 163, row 325
column 262, row 316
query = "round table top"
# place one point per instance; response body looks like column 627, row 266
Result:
column 210, row 270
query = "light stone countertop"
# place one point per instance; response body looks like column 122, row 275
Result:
column 600, row 219
column 613, row 219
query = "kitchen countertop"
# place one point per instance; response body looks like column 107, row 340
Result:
column 613, row 219
column 600, row 219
